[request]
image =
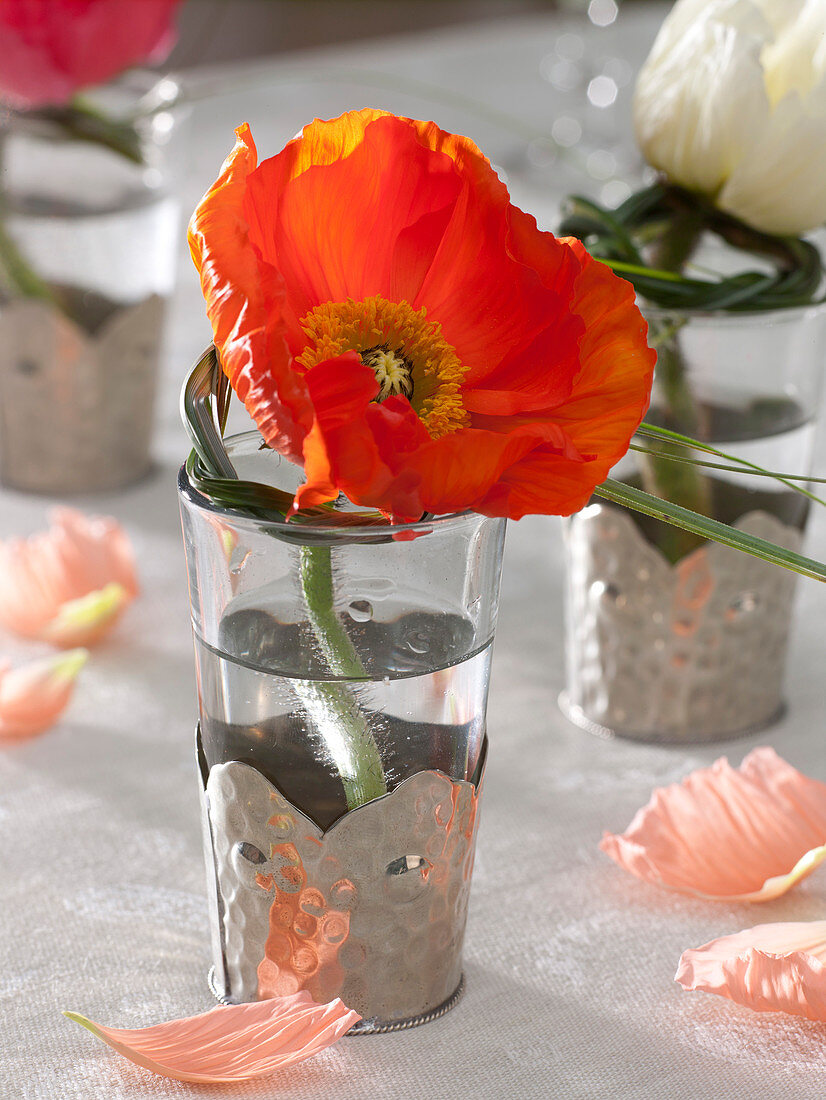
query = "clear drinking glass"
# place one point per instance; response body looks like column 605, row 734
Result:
column 416, row 606
column 342, row 682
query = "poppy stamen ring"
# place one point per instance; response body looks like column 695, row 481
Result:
column 407, row 352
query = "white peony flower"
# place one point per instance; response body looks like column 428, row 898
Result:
column 731, row 102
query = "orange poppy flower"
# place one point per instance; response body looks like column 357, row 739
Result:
column 394, row 323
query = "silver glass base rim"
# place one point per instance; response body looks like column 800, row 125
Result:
column 578, row 717
column 373, row 1027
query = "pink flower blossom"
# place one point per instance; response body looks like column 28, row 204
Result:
column 51, row 48
column 67, row 585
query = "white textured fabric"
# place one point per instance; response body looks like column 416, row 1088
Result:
column 569, row 962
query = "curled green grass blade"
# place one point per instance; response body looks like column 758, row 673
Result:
column 211, row 472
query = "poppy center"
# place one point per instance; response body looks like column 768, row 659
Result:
column 392, row 371
column 408, row 354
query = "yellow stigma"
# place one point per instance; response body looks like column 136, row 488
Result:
column 407, row 352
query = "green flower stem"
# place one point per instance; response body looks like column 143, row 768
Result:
column 331, row 704
column 19, row 278
column 681, row 483
column 317, row 585
column 333, row 707
column 82, row 121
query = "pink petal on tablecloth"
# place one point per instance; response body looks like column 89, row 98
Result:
column 769, row 968
column 728, row 834
column 232, row 1042
column 67, row 585
column 34, row 695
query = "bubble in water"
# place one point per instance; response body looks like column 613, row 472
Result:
column 360, row 610
column 379, row 588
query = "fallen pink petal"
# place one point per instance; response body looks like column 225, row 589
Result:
column 728, row 834
column 769, row 968
column 68, row 585
column 33, row 696
column 232, row 1042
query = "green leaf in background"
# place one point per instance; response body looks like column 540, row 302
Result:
column 618, row 238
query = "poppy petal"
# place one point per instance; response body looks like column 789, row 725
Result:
column 346, row 425
column 498, row 312
column 458, row 470
column 231, row 1042
column 245, row 303
column 52, row 49
column 610, row 394
column 67, row 585
column 352, row 208
column 34, row 695
column 340, row 389
column 607, row 402
column 92, row 549
column 528, row 485
column 745, row 834
column 606, row 399
column 769, row 968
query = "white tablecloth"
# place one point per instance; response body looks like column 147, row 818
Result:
column 569, row 962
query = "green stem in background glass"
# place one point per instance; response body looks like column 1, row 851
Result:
column 19, row 279
column 729, row 468
column 334, row 709
column 81, row 120
column 680, row 483
column 78, row 120
column 736, row 464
